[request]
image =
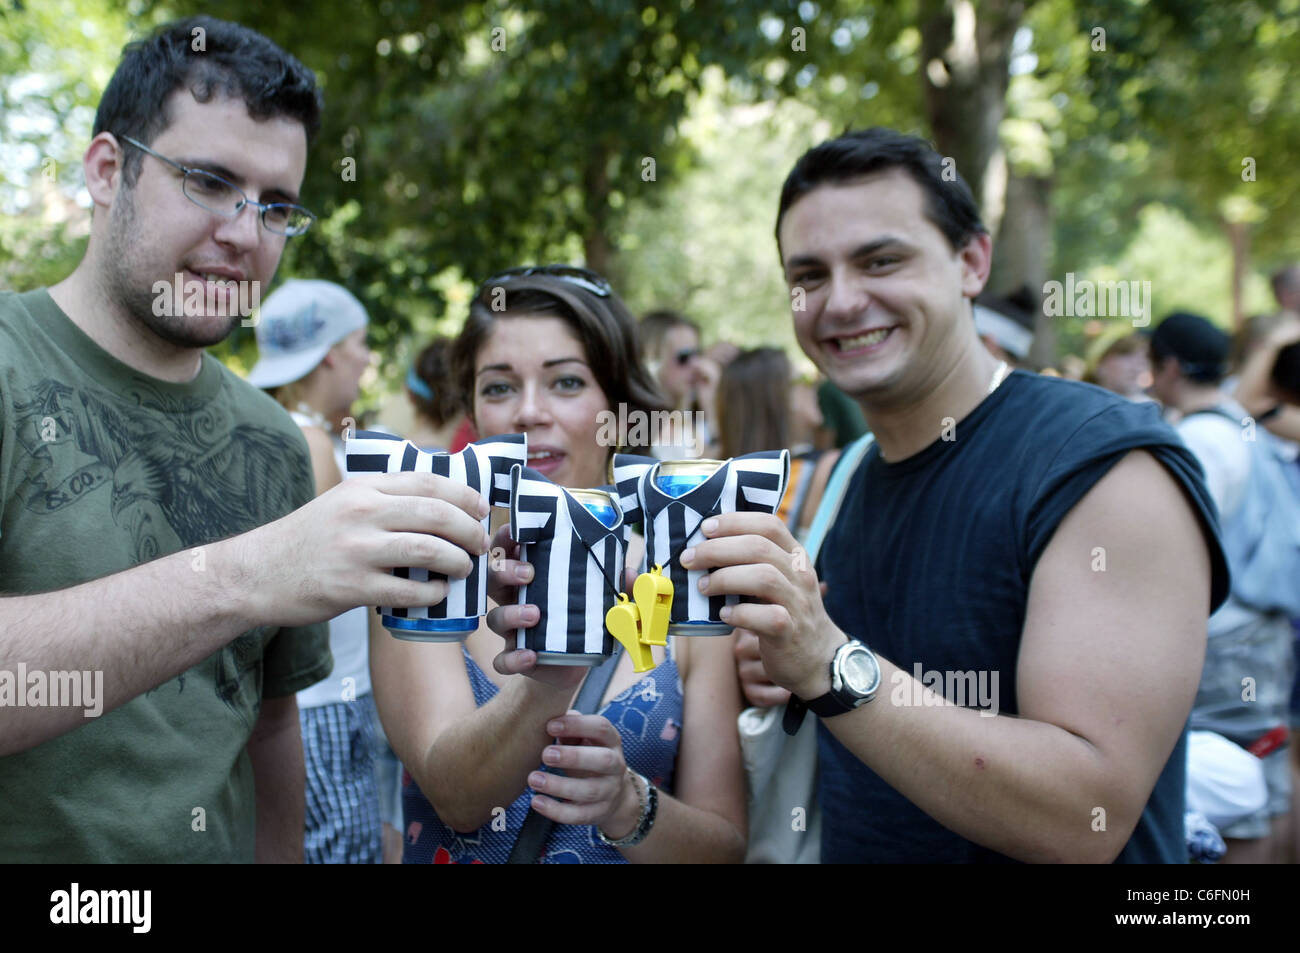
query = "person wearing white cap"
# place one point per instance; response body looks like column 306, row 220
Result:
column 311, row 336
column 1006, row 325
column 311, row 339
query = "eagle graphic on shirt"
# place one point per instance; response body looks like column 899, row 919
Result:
column 177, row 474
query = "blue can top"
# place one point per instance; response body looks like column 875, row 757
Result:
column 607, row 515
column 679, row 484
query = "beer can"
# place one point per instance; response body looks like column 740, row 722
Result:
column 673, row 498
column 599, row 504
column 576, row 542
column 483, row 466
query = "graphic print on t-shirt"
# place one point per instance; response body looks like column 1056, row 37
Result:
column 168, row 488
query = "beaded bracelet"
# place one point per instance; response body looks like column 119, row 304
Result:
column 649, row 797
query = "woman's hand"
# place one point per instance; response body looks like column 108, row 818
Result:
column 597, row 788
column 505, row 574
column 760, row 691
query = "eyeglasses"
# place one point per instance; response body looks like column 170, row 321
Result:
column 581, row 277
column 215, row 194
column 684, row 357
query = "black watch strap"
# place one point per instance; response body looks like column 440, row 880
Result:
column 796, row 709
column 792, row 720
column 828, row 706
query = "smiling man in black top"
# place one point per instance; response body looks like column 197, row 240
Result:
column 1038, row 536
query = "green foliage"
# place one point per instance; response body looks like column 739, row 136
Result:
column 1197, row 278
column 1206, row 86
column 464, row 137
column 709, row 251
column 55, row 59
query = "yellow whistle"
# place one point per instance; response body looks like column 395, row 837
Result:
column 624, row 624
column 643, row 623
column 653, row 592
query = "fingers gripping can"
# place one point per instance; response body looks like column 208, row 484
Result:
column 674, row 497
column 483, row 466
column 576, row 542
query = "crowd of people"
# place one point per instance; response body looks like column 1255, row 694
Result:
column 997, row 615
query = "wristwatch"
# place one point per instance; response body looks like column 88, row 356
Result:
column 649, row 808
column 855, row 679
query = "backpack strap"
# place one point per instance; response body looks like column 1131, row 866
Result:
column 841, row 474
column 536, row 828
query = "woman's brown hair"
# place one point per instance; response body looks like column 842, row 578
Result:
column 439, row 399
column 754, row 403
column 585, row 303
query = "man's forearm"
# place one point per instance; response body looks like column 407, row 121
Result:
column 139, row 628
column 1024, row 788
column 279, row 772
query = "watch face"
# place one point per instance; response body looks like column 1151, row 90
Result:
column 861, row 673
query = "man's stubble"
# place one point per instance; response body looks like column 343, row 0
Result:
column 126, row 282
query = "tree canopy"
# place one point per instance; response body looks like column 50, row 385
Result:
column 650, row 139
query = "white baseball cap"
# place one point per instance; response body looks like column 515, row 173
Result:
column 297, row 326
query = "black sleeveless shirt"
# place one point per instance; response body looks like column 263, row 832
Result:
column 929, row 563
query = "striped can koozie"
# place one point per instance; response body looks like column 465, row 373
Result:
column 576, row 542
column 483, row 466
column 672, row 498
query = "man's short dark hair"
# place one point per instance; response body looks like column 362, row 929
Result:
column 949, row 203
column 224, row 59
column 1200, row 348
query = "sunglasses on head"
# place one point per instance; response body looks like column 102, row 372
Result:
column 587, row 280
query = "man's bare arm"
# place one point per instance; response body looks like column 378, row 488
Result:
column 279, row 774
column 149, row 624
column 1108, row 668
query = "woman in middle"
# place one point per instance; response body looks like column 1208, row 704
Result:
column 544, row 351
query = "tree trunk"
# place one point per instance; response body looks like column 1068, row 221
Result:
column 1023, row 253
column 596, row 245
column 964, row 75
column 1239, row 238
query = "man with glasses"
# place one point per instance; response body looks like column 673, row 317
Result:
column 149, row 655
column 215, row 194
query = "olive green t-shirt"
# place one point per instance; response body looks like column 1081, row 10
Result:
column 103, row 468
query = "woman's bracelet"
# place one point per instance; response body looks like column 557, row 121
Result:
column 649, row 807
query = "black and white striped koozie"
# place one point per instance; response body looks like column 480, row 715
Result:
column 752, row 483
column 483, row 466
column 576, row 541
